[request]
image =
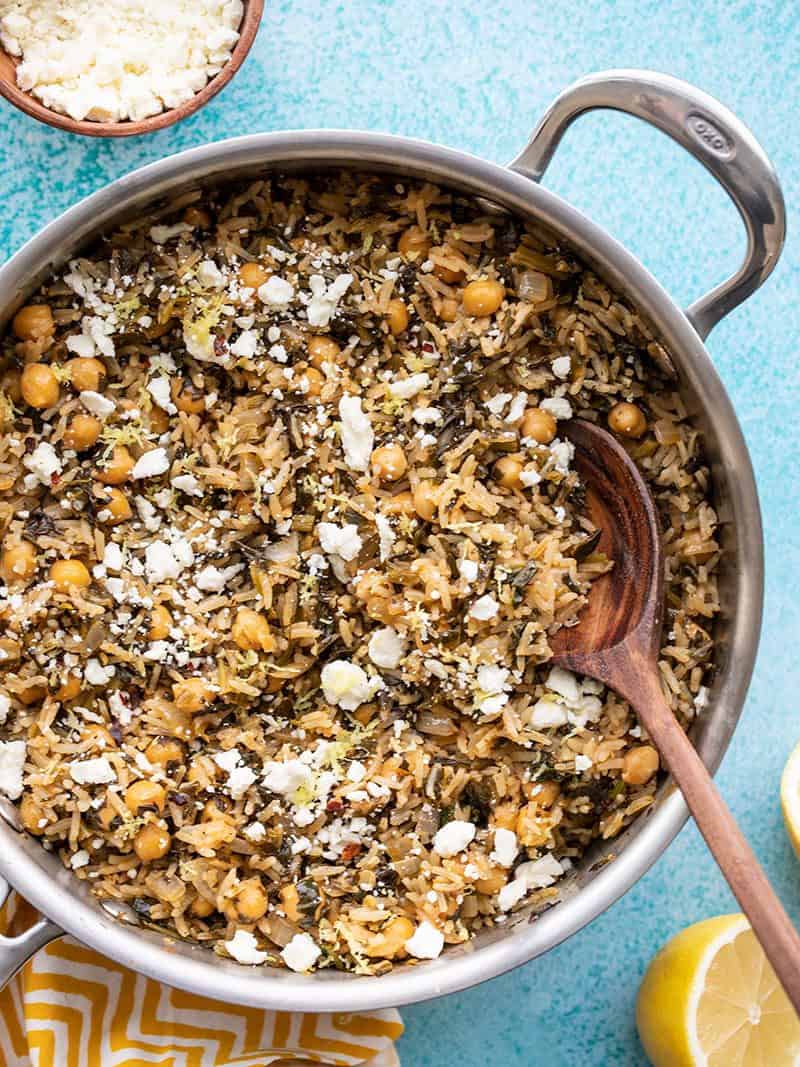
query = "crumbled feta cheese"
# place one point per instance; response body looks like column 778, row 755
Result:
column 426, row 416
column 162, row 561
column 79, row 859
column 243, row 947
column 5, row 707
column 562, row 366
column 186, row 483
column 484, row 608
column 386, row 536
column 246, row 344
column 541, row 873
column 278, row 353
column 511, row 894
column 286, row 777
column 276, row 292
column 341, row 541
column 582, row 763
column 492, row 685
column 505, row 847
column 517, row 409
column 301, row 953
column 357, row 436
column 43, row 463
column 426, row 943
column 325, row 298
column 209, row 275
column 96, row 771
column 112, row 557
column 212, row 579
column 348, row 685
column 12, row 761
column 468, row 569
column 564, row 683
column 96, row 674
column 151, row 464
column 356, row 772
column 98, row 404
column 496, row 403
column 546, row 714
column 529, row 478
column 255, row 832
column 563, row 452
column 558, row 406
column 405, row 388
column 453, row 837
column 240, row 777
column 386, row 648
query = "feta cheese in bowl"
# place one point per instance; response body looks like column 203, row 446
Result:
column 122, row 67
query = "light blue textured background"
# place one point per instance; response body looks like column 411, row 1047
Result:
column 476, row 76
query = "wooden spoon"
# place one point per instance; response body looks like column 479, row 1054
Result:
column 31, row 105
column 617, row 641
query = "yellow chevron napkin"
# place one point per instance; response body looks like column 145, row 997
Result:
column 71, row 1007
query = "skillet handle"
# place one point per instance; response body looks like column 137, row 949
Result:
column 16, row 951
column 713, row 135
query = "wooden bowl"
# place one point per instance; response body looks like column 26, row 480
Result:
column 27, row 102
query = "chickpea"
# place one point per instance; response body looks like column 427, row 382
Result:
column 414, row 243
column 321, row 350
column 152, row 842
column 201, row 908
column 389, row 463
column 39, row 386
column 251, row 631
column 532, row 827
column 290, row 899
column 86, row 373
column 69, row 689
column 253, row 275
column 482, row 298
column 82, row 432
column 67, row 574
column 32, row 815
column 158, row 420
column 391, row 940
column 32, row 694
column 492, row 882
column 192, row 695
column 448, row 310
column 446, row 273
column 250, row 903
column 160, row 623
column 144, row 795
column 507, row 471
column 397, row 316
column 399, row 504
column 504, row 816
column 639, row 765
column 538, row 425
column 118, row 467
column 197, row 217
column 117, row 507
column 18, row 563
column 9, row 650
column 164, row 751
column 34, row 322
column 627, row 420
column 315, row 381
column 98, row 736
column 186, row 397
column 426, row 499
column 545, row 794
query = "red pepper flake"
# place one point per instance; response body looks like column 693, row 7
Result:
column 334, row 804
column 55, row 479
column 350, row 851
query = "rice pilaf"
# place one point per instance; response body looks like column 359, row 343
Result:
column 288, row 516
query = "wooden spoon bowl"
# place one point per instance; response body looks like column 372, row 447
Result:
column 617, row 640
column 27, row 102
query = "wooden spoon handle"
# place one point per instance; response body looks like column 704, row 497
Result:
column 771, row 924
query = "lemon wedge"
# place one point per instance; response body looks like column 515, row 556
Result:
column 790, row 797
column 711, row 999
